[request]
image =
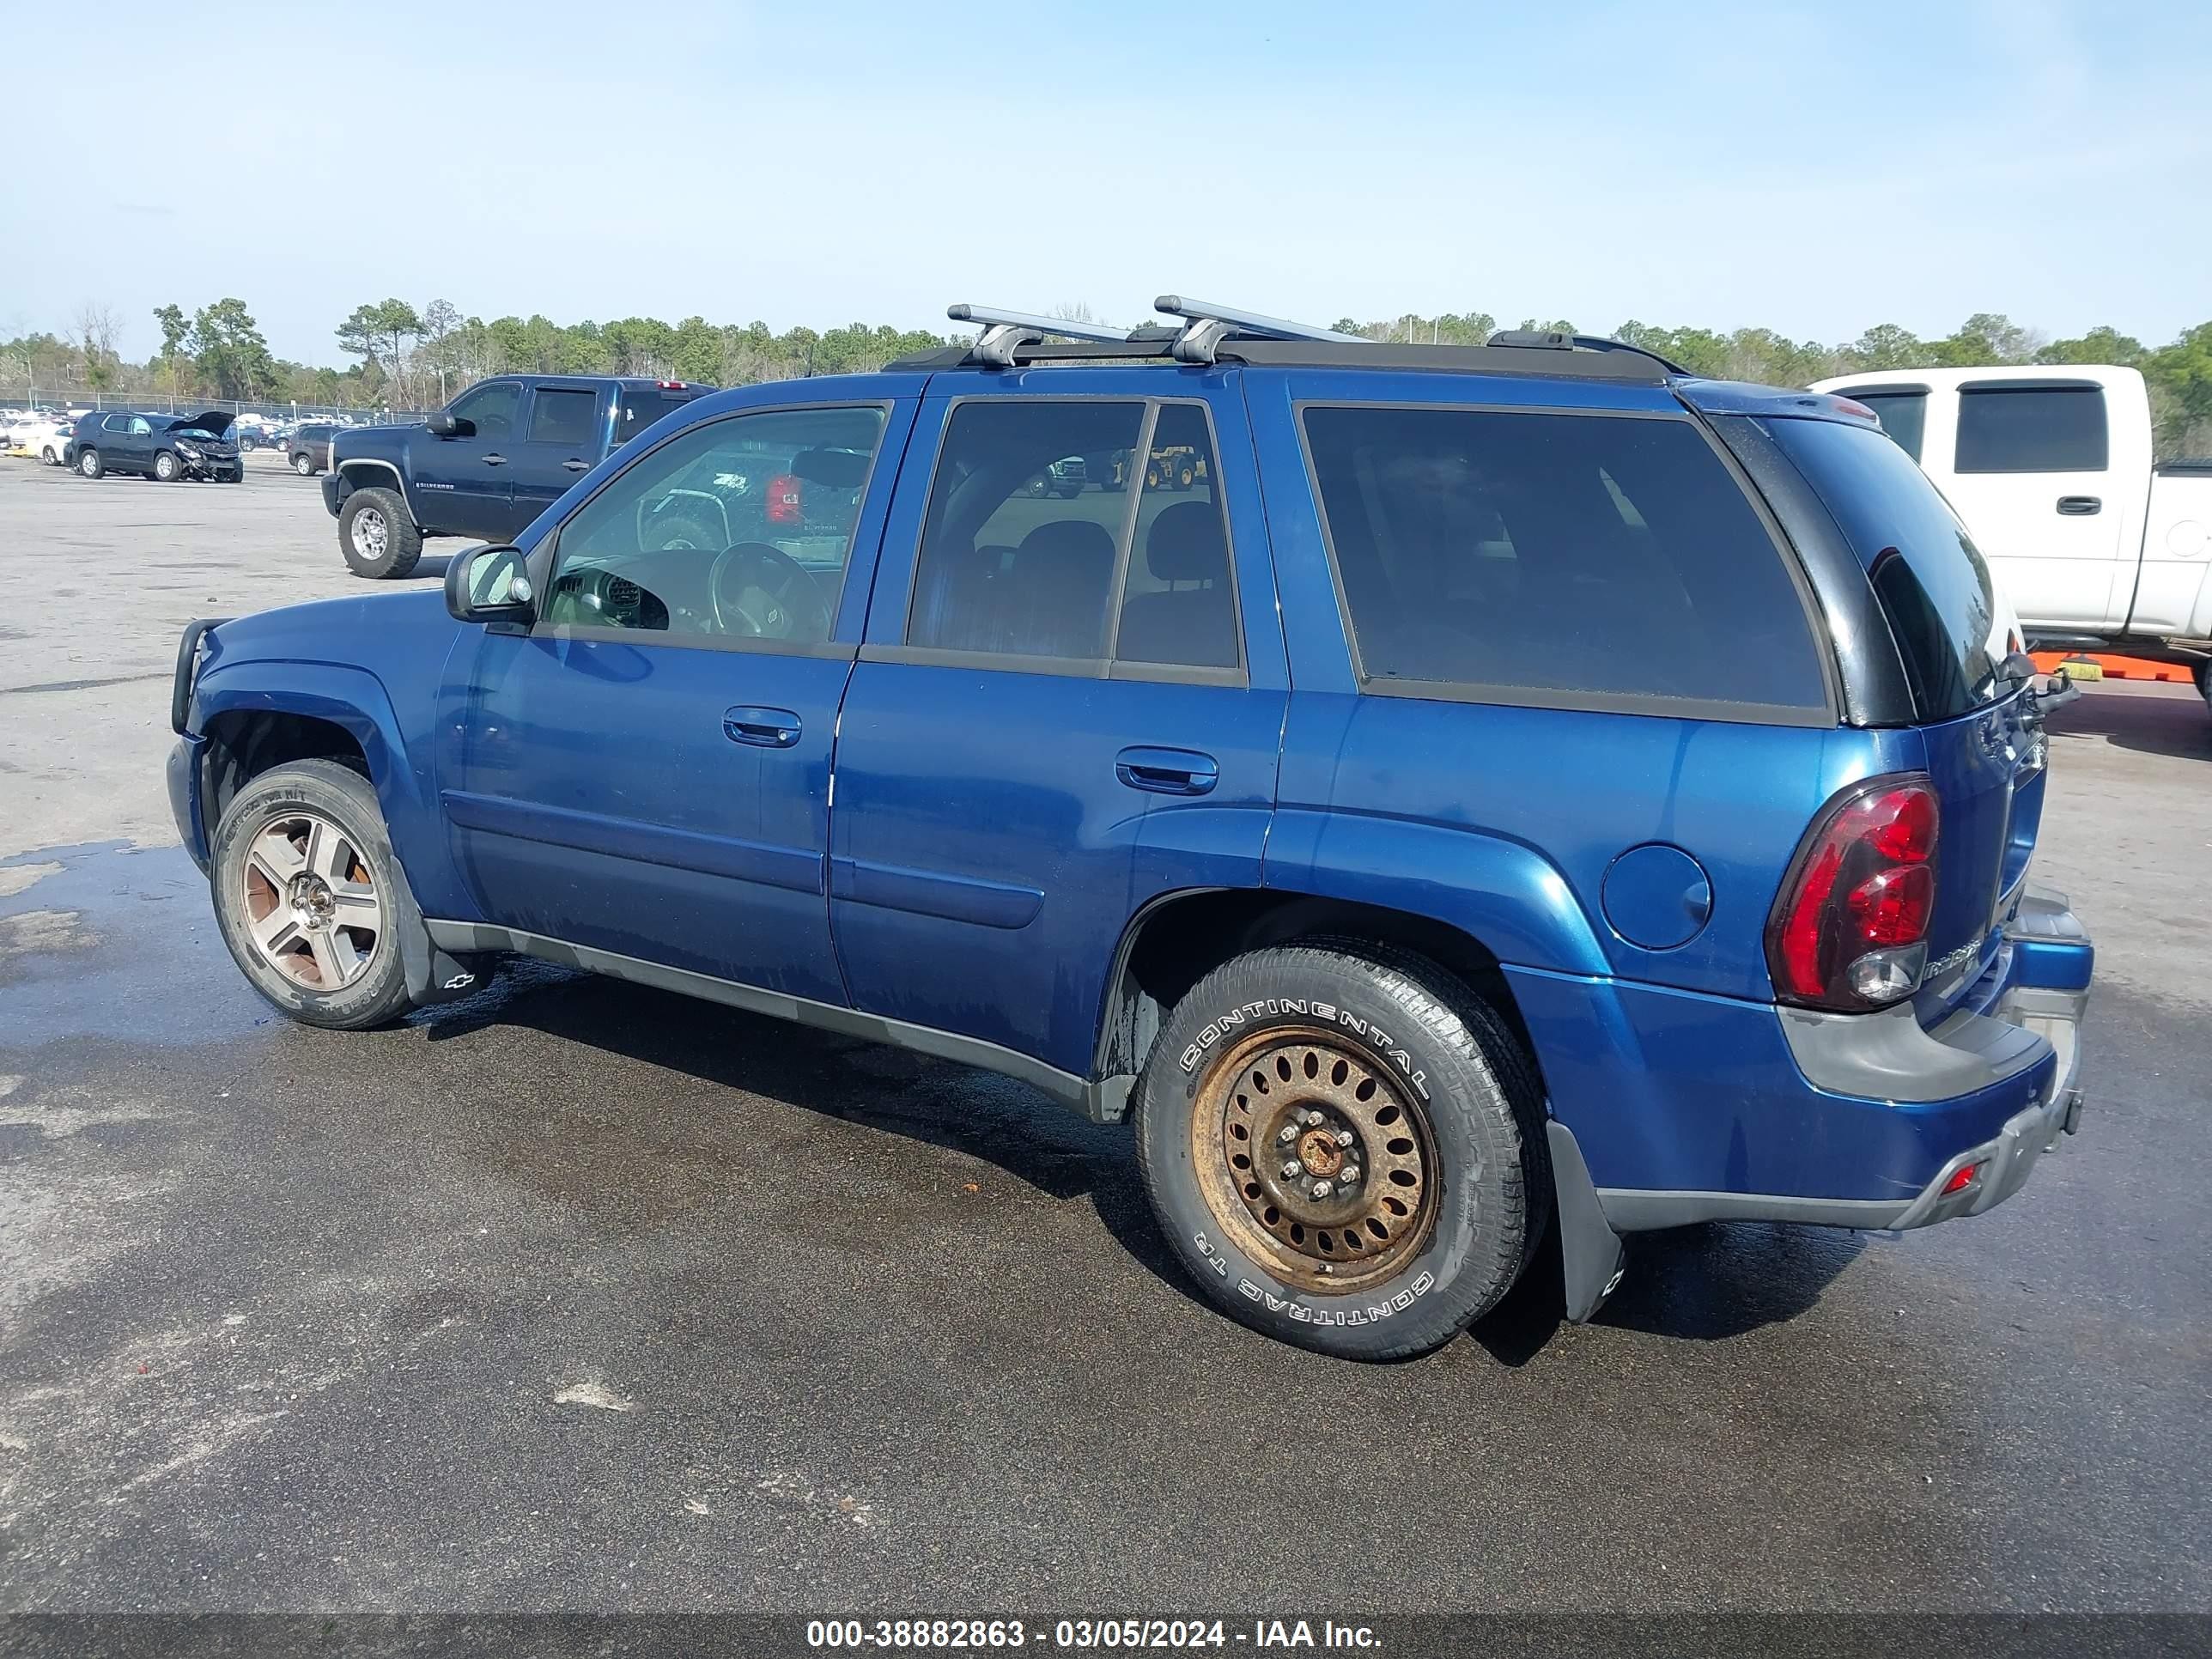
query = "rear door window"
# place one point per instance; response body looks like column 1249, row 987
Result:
column 1559, row 560
column 2042, row 428
column 1904, row 416
column 1928, row 576
column 565, row 415
column 1008, row 565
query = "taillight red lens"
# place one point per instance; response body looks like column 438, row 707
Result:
column 1891, row 906
column 1850, row 927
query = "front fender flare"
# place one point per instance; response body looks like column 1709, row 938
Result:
column 354, row 700
column 352, row 468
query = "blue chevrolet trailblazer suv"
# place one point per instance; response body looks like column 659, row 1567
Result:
column 1442, row 795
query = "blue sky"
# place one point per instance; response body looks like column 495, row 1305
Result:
column 1814, row 168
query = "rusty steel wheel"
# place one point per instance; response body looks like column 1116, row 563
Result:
column 313, row 911
column 1314, row 1160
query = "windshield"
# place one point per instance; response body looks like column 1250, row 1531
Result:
column 1928, row 577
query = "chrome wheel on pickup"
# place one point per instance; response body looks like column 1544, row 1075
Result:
column 313, row 912
column 376, row 536
column 1314, row 1160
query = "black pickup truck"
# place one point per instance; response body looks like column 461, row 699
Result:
column 485, row 466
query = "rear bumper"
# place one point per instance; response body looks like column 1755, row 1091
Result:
column 1691, row 1110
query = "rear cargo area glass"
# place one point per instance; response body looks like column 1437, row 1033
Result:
column 1928, row 576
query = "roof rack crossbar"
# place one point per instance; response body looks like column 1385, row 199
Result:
column 1247, row 323
column 1063, row 327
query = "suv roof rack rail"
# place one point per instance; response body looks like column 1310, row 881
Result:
column 1206, row 333
column 1553, row 339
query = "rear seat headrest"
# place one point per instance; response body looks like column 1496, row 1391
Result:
column 1185, row 544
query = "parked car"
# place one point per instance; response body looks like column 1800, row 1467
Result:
column 308, row 447
column 172, row 448
column 252, row 432
column 2096, row 548
column 1260, row 813
column 36, row 435
column 485, row 466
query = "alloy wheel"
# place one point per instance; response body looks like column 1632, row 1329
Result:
column 369, row 533
column 313, row 911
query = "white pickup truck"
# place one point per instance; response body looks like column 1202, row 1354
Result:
column 2095, row 547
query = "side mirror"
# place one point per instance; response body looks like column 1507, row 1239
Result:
column 490, row 585
column 451, row 426
column 2019, row 665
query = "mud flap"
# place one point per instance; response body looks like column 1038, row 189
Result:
column 1590, row 1255
column 433, row 974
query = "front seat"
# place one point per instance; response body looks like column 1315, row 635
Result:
column 1192, row 620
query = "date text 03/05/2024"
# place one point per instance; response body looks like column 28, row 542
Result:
column 1109, row 1635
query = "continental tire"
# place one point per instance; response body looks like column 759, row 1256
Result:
column 378, row 535
column 309, row 898
column 1345, row 1147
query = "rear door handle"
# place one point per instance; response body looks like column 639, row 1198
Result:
column 1166, row 771
column 763, row 728
column 2080, row 507
column 575, row 466
column 494, row 460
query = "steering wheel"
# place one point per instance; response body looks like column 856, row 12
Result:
column 760, row 592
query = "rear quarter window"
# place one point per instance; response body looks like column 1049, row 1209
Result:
column 1564, row 560
column 1928, row 577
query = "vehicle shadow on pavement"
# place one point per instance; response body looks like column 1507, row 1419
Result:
column 937, row 1103
column 2178, row 724
column 1704, row 1284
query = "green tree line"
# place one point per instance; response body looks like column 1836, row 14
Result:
column 409, row 356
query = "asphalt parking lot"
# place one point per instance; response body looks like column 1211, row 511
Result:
column 582, row 1296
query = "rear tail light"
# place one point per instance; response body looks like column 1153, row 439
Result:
column 1849, row 928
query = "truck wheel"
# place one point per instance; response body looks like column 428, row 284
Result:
column 376, row 535
column 309, row 898
column 165, row 467
column 1346, row 1147
column 1186, row 475
column 89, row 462
column 303, row 463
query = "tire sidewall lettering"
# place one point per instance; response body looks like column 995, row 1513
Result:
column 1259, row 1010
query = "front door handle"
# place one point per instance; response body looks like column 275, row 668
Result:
column 1166, row 771
column 2080, row 507
column 763, row 728
column 494, row 460
column 576, row 465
